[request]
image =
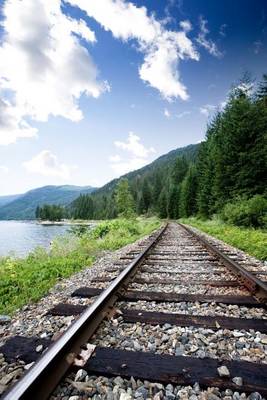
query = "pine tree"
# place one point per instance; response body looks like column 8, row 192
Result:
column 156, row 190
column 188, row 195
column 179, row 170
column 162, row 205
column 261, row 93
column 140, row 204
column 147, row 196
column 37, row 212
column 173, row 202
column 124, row 199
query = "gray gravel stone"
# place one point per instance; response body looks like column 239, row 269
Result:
column 254, row 396
column 5, row 319
column 223, row 371
column 80, row 375
column 238, row 380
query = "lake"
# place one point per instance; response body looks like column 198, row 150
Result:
column 19, row 237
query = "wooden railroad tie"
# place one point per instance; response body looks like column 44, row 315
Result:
column 166, row 281
column 162, row 297
column 181, row 370
column 178, row 370
column 160, row 318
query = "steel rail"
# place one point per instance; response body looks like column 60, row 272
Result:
column 257, row 287
column 42, row 378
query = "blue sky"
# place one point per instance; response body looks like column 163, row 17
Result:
column 92, row 89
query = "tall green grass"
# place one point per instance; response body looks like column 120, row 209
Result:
column 28, row 279
column 252, row 241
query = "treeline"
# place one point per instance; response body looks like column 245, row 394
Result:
column 226, row 176
column 49, row 212
column 154, row 192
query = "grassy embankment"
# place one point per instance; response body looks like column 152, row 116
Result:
column 252, row 241
column 26, row 280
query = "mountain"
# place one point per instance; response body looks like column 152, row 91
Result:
column 7, row 199
column 23, row 206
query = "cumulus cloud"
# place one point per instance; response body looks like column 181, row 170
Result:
column 207, row 109
column 134, row 146
column 46, row 163
column 12, row 124
column 44, row 68
column 138, row 155
column 162, row 49
column 203, row 40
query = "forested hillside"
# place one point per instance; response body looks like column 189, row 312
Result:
column 149, row 185
column 225, row 174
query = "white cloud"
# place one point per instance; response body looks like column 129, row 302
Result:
column 183, row 114
column 46, row 163
column 138, row 155
column 134, row 146
column 186, row 25
column 207, row 109
column 12, row 124
column 203, row 41
column 44, row 69
column 162, row 49
column 3, row 169
column 167, row 113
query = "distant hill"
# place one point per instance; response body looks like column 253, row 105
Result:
column 23, row 206
column 7, row 199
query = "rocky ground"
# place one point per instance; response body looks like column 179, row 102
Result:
column 221, row 344
column 83, row 387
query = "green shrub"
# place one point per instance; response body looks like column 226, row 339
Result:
column 251, row 240
column 26, row 280
column 129, row 226
column 246, row 212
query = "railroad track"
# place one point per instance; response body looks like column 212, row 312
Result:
column 178, row 310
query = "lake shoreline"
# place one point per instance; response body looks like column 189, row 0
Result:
column 66, row 222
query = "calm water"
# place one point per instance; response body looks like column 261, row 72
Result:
column 20, row 238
